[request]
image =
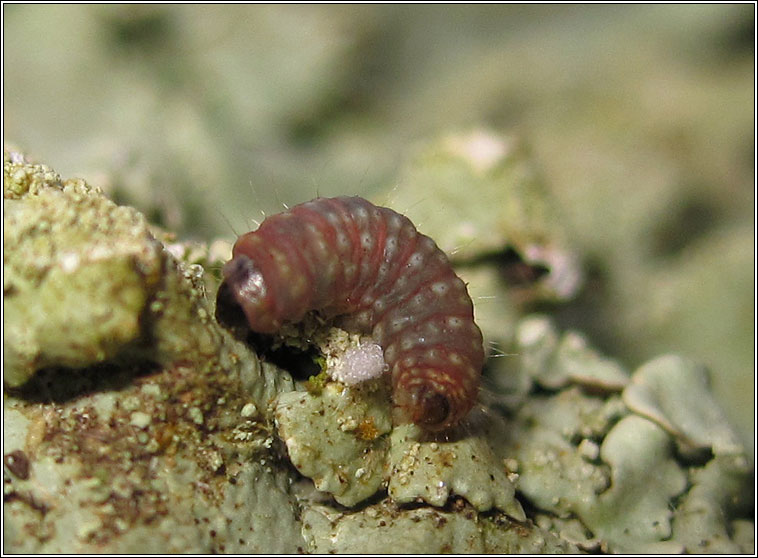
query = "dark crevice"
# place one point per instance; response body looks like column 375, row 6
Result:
column 513, row 268
column 61, row 384
column 301, row 364
column 685, row 224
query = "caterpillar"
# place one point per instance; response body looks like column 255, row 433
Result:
column 369, row 269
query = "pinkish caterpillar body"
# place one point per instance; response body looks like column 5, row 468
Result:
column 369, row 268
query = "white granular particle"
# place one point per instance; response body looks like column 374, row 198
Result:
column 140, row 419
column 359, row 364
column 249, row 410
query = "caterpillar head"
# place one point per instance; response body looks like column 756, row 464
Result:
column 244, row 287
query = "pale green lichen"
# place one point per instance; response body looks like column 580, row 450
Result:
column 132, row 470
column 126, row 455
column 338, row 437
column 341, row 436
column 78, row 272
column 554, row 362
column 553, row 474
column 665, row 391
column 579, row 364
column 176, row 439
column 718, row 492
column 384, row 528
column 588, row 456
column 85, row 281
column 432, row 471
column 22, row 177
column 510, row 210
column 632, row 449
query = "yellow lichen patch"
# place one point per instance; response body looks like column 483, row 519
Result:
column 315, row 384
column 367, row 430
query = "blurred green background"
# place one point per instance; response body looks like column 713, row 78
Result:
column 640, row 119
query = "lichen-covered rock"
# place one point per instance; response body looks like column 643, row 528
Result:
column 384, row 528
column 22, row 177
column 673, row 392
column 132, row 422
column 78, row 272
column 554, row 473
column 165, row 434
column 338, row 437
column 342, row 437
column 432, row 471
column 717, row 493
column 85, row 281
column 619, row 464
column 167, row 462
column 510, row 214
column 555, row 362
column 632, row 449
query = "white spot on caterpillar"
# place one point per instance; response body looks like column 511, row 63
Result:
column 440, row 288
column 378, row 332
column 416, row 260
column 390, row 247
column 427, row 244
column 342, row 242
column 390, row 353
column 350, row 269
column 367, row 242
column 398, row 323
column 364, row 317
column 454, row 322
column 432, row 328
column 455, row 359
column 407, row 343
column 360, row 214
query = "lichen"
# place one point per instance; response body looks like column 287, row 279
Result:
column 338, row 437
column 664, row 390
column 78, row 273
column 123, row 395
column 166, row 434
column 701, row 521
column 433, row 471
column 342, row 437
column 510, row 216
column 586, row 452
column 456, row 529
